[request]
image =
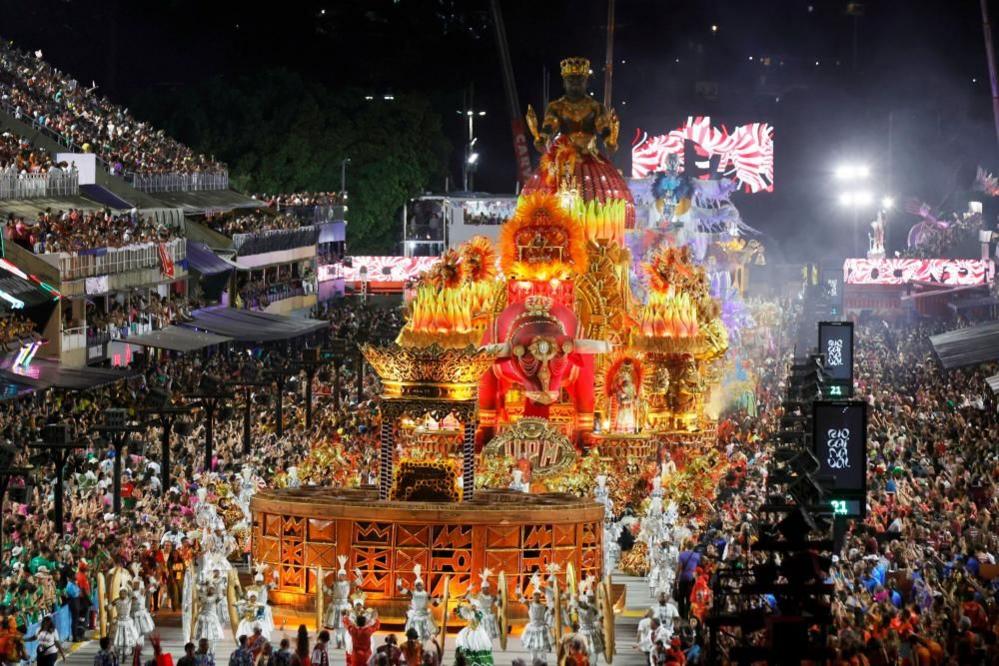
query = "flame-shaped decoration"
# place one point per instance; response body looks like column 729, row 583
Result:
column 542, row 241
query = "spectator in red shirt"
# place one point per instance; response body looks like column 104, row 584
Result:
column 360, row 635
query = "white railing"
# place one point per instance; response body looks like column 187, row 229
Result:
column 120, row 259
column 15, row 185
column 178, row 182
column 84, row 337
column 74, row 338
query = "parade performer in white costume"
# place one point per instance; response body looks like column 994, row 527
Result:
column 261, row 589
column 251, row 616
column 536, row 638
column 590, row 621
column 124, row 636
column 473, row 642
column 141, row 618
column 207, row 625
column 549, row 592
column 247, row 489
column 339, row 605
column 644, row 633
column 517, row 483
column 418, row 616
column 485, row 604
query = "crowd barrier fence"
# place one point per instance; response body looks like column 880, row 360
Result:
column 15, row 185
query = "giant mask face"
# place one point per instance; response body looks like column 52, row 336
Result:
column 540, row 349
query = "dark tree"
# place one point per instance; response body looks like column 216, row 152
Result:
column 280, row 133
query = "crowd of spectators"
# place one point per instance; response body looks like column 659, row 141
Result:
column 488, row 212
column 15, row 329
column 958, row 239
column 28, row 172
column 230, row 224
column 36, row 92
column 916, row 581
column 41, row 571
column 257, row 290
column 350, row 321
column 280, row 201
column 75, row 230
column 18, row 155
column 129, row 314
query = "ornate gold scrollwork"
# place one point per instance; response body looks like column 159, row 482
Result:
column 545, row 446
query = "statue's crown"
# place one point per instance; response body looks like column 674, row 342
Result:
column 576, row 66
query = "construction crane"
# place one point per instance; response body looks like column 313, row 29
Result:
column 521, row 147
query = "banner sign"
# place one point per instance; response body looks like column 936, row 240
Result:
column 386, row 269
column 745, row 153
column 950, row 272
column 166, row 263
column 839, row 442
column 836, row 342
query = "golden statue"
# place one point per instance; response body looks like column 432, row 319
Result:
column 576, row 114
column 626, row 399
column 685, row 392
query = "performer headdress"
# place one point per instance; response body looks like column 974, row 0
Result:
column 486, row 573
column 342, row 559
column 417, row 578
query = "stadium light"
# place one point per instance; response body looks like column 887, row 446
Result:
column 857, row 198
column 852, row 172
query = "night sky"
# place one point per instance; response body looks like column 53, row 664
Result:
column 920, row 68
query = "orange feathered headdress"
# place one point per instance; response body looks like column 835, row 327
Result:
column 478, row 259
column 446, row 273
column 669, row 266
column 542, row 241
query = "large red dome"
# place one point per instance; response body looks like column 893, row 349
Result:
column 597, row 180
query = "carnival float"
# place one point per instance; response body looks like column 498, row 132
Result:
column 525, row 372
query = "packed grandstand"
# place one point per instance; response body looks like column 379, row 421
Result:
column 192, row 320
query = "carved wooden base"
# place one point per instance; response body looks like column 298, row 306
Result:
column 296, row 531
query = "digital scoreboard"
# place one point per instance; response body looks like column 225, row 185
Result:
column 836, row 346
column 839, row 442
